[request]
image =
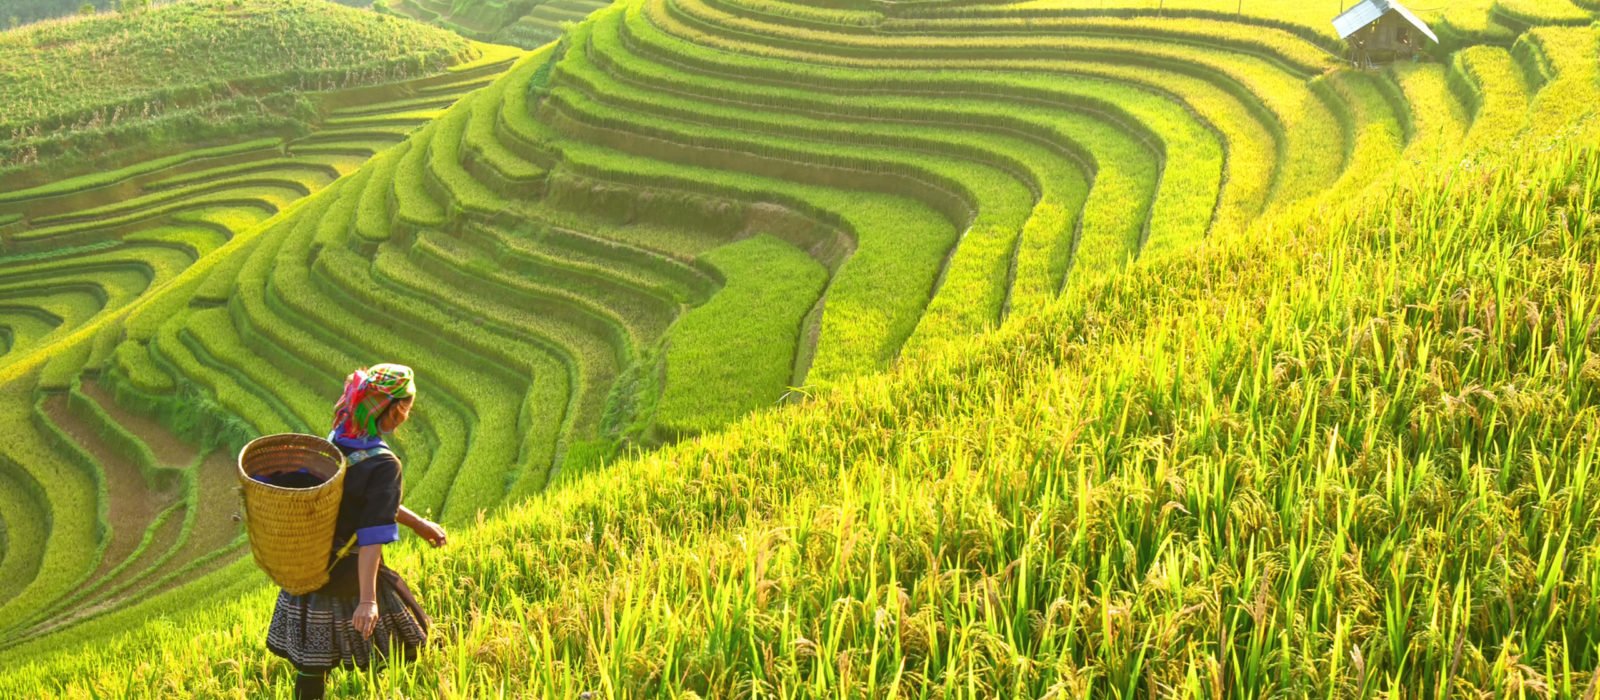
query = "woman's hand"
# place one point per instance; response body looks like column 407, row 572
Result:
column 430, row 531
column 366, row 618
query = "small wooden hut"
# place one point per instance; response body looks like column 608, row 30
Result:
column 1381, row 31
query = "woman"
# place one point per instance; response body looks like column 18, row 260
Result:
column 365, row 609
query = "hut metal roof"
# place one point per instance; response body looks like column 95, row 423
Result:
column 1368, row 11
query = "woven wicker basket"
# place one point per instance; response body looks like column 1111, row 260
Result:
column 291, row 530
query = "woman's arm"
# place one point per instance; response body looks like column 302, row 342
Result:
column 406, row 517
column 425, row 528
column 366, row 615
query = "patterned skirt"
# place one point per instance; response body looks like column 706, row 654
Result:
column 314, row 631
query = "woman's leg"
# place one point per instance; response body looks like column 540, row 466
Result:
column 309, row 685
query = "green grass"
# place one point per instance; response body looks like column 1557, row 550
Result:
column 736, row 353
column 1153, row 501
column 530, row 24
column 101, row 78
column 1134, row 356
column 99, row 179
column 1315, row 17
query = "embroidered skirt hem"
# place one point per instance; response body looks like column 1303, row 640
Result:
column 314, row 631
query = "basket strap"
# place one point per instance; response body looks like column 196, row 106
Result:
column 343, row 552
column 356, row 457
column 360, row 456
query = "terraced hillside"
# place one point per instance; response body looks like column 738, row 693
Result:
column 76, row 250
column 21, row 12
column 1457, row 23
column 1150, row 508
column 94, row 91
column 87, row 469
column 687, row 207
column 525, row 23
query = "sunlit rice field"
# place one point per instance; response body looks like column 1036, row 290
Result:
column 946, row 349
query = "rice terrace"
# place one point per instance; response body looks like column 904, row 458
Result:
column 799, row 349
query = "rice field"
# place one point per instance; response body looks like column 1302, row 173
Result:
column 114, row 87
column 771, row 349
column 525, row 23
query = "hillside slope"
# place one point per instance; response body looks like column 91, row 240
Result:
column 101, row 503
column 1332, row 460
column 525, row 23
column 195, row 69
column 1457, row 23
column 19, row 12
column 571, row 252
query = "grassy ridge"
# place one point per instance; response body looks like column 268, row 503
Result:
column 93, row 247
column 534, row 243
column 75, row 86
column 737, row 352
column 525, row 23
column 18, row 12
column 1322, row 460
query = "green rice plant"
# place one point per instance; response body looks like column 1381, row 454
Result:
column 458, row 86
column 74, row 541
column 267, row 198
column 306, row 171
column 1537, row 12
column 49, row 300
column 591, row 254
column 737, row 352
column 1568, row 54
column 124, row 89
column 493, row 394
column 1306, row 127
column 1376, row 132
column 1439, row 121
column 794, row 125
column 383, row 120
column 481, row 140
column 25, row 510
column 152, row 542
column 130, row 446
column 104, row 345
column 276, row 305
column 1486, row 79
column 1295, row 49
column 567, row 370
column 1307, row 20
column 446, row 177
column 194, row 241
column 133, row 364
column 60, row 372
column 26, row 326
column 303, row 359
column 1172, row 215
column 1217, row 441
column 123, row 505
column 607, row 305
column 526, row 24
column 1110, row 216
column 405, row 104
column 876, row 296
column 176, row 348
column 415, row 205
column 374, row 216
column 1324, row 492
column 210, row 337
column 230, row 221
column 166, row 197
column 90, row 181
column 38, row 318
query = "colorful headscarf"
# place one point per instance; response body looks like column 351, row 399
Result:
column 367, row 391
